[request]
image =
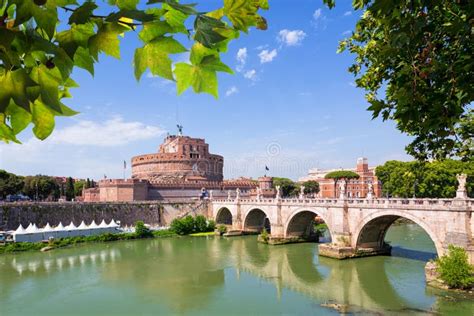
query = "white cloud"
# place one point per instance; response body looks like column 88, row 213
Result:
column 84, row 149
column 347, row 13
column 232, row 90
column 267, row 56
column 241, row 58
column 291, row 38
column 348, row 32
column 261, row 47
column 242, row 55
column 251, row 75
column 113, row 132
column 317, row 14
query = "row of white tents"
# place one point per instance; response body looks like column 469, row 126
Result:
column 34, row 234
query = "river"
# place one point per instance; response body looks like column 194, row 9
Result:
column 224, row 276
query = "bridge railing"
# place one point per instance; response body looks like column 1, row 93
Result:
column 407, row 202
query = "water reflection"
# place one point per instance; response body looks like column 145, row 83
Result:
column 188, row 275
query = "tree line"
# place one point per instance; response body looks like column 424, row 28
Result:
column 436, row 179
column 41, row 187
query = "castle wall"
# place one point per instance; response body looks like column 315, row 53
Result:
column 153, row 213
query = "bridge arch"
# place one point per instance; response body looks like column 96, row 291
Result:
column 224, row 216
column 255, row 219
column 299, row 221
column 371, row 231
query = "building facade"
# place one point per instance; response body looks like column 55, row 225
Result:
column 355, row 188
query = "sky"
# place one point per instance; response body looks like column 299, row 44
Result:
column 291, row 105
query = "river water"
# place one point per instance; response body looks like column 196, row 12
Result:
column 224, row 276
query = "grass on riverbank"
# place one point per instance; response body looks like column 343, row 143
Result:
column 203, row 234
column 71, row 241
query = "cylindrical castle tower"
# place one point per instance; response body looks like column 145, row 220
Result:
column 179, row 158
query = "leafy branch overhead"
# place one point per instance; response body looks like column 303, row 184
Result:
column 38, row 52
column 415, row 59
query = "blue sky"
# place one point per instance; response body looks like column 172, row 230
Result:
column 291, row 105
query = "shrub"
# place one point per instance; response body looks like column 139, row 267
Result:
column 222, row 229
column 200, row 224
column 211, row 225
column 183, row 226
column 264, row 235
column 454, row 268
column 141, row 231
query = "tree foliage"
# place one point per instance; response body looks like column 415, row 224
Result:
column 38, row 53
column 70, row 192
column 342, row 174
column 287, row 186
column 311, row 187
column 454, row 268
column 415, row 60
column 41, row 187
column 435, row 179
column 10, row 184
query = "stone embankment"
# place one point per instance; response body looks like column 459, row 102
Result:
column 150, row 212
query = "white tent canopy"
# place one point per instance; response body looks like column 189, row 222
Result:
column 33, row 234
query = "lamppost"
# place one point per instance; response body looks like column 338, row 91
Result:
column 36, row 185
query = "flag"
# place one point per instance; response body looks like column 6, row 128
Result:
column 266, row 168
column 124, row 164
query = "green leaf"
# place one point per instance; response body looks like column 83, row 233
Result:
column 43, row 120
column 19, row 117
column 125, row 4
column 77, row 35
column 49, row 81
column 137, row 15
column 205, row 32
column 155, row 56
column 106, row 40
column 6, row 132
column 242, row 13
column 83, row 13
column 201, row 79
column 214, row 63
column 187, row 9
column 45, row 16
column 14, row 86
column 153, row 30
column 83, row 59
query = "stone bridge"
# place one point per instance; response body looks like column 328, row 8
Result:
column 357, row 226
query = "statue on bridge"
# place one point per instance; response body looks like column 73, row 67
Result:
column 342, row 189
column 229, row 195
column 259, row 193
column 301, row 197
column 370, row 193
column 278, row 192
column 461, row 192
column 237, row 194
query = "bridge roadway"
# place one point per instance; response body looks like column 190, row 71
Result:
column 357, row 226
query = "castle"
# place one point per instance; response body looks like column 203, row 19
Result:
column 181, row 169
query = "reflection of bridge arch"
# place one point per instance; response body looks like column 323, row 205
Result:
column 224, row 216
column 371, row 231
column 255, row 220
column 299, row 221
column 301, row 263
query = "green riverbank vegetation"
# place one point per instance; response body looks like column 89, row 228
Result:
column 454, row 269
column 192, row 225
